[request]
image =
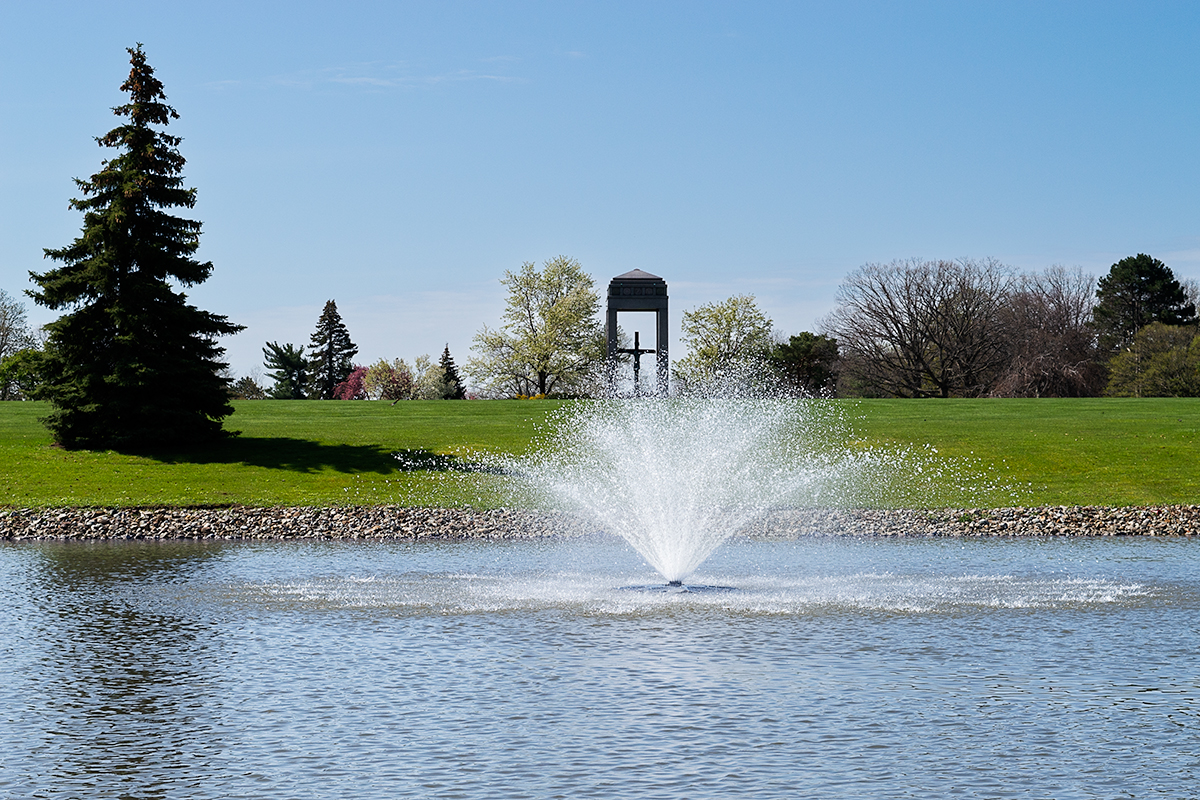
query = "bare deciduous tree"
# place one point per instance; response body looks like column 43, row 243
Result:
column 1052, row 346
column 922, row 328
column 14, row 330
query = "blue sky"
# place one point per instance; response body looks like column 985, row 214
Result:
column 398, row 157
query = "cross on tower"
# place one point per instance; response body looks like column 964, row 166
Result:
column 638, row 291
column 637, row 352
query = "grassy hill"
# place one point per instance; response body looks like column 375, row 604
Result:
column 1030, row 452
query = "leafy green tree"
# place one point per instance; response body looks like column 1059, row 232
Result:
column 552, row 340
column 288, row 367
column 727, row 342
column 331, row 353
column 1137, row 291
column 1162, row 361
column 807, row 363
column 452, row 385
column 19, row 375
column 132, row 364
column 18, row 350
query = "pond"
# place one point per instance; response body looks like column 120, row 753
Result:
column 835, row 667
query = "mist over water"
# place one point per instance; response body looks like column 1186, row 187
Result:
column 676, row 478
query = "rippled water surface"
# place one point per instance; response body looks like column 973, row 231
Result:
column 836, row 668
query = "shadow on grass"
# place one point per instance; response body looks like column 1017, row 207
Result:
column 303, row 455
column 424, row 460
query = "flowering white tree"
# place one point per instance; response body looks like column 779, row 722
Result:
column 552, row 339
column 727, row 342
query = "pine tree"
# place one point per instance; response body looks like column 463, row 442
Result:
column 288, row 368
column 246, row 388
column 1137, row 291
column 133, row 365
column 331, row 354
column 807, row 363
column 452, row 386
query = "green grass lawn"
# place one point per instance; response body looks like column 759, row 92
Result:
column 1090, row 451
column 299, row 452
column 1034, row 452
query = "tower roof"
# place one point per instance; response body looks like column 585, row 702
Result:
column 637, row 275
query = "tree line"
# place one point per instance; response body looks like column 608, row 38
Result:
column 328, row 372
column 971, row 328
column 552, row 343
column 912, row 328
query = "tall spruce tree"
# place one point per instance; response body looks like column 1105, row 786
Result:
column 452, row 385
column 132, row 364
column 331, row 355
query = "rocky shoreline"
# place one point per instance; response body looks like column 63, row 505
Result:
column 397, row 522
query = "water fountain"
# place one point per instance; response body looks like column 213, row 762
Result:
column 519, row 668
column 676, row 478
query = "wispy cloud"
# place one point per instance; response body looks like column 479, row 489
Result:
column 374, row 75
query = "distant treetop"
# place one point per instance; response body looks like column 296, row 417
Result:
column 1137, row 291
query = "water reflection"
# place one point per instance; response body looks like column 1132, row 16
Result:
column 115, row 694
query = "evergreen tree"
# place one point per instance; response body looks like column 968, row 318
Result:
column 807, row 363
column 288, row 368
column 133, row 364
column 331, row 353
column 452, row 385
column 1137, row 291
column 246, row 388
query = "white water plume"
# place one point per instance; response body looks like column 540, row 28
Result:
column 676, row 478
